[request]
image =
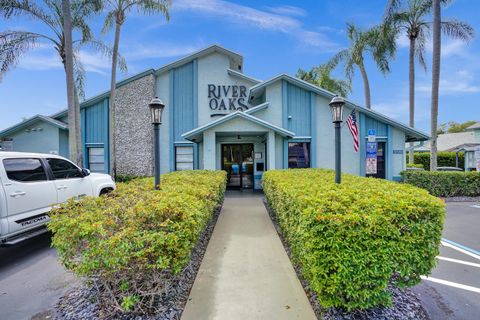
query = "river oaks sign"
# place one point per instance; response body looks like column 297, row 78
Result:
column 227, row 98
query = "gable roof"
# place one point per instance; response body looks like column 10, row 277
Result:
column 451, row 141
column 412, row 134
column 32, row 120
column 209, row 50
column 191, row 135
column 474, row 126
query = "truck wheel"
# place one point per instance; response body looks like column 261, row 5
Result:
column 105, row 191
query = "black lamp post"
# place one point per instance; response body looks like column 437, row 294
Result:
column 156, row 109
column 336, row 106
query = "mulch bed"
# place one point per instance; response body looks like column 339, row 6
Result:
column 406, row 305
column 81, row 303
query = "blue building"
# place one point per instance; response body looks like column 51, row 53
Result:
column 217, row 117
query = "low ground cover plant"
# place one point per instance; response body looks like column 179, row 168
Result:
column 133, row 241
column 445, row 183
column 351, row 240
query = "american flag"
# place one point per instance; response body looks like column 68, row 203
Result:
column 352, row 126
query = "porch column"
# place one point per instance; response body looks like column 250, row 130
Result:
column 271, row 150
column 209, row 150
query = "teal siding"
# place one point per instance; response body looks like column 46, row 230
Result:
column 380, row 127
column 298, row 110
column 183, row 101
column 63, row 143
column 184, row 106
column 94, row 127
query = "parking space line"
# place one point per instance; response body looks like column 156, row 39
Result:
column 463, row 249
column 459, row 261
column 452, row 284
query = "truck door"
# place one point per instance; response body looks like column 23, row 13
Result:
column 69, row 180
column 28, row 192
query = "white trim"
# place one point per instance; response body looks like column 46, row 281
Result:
column 242, row 76
column 258, row 108
column 235, row 114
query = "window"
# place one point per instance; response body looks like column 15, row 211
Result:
column 63, row 169
column 184, row 158
column 96, row 159
column 24, row 169
column 298, row 155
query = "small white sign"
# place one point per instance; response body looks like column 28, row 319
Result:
column 371, row 166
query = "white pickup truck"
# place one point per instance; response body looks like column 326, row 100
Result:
column 32, row 183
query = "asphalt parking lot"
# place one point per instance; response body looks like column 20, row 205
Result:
column 31, row 279
column 452, row 291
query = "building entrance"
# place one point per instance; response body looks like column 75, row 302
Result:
column 237, row 161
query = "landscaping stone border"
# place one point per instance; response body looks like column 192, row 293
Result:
column 462, row 199
column 80, row 302
column 406, row 305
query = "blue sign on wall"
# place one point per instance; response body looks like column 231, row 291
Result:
column 371, row 149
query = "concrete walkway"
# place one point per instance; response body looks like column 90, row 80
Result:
column 246, row 273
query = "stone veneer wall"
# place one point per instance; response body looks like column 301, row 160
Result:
column 133, row 131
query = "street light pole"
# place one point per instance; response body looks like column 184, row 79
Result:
column 336, row 106
column 338, row 154
column 156, row 139
column 156, row 109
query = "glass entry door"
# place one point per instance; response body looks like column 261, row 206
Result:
column 237, row 160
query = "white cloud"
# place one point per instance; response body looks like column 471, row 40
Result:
column 462, row 81
column 40, row 61
column 288, row 11
column 243, row 15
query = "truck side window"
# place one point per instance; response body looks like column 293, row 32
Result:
column 24, row 169
column 63, row 169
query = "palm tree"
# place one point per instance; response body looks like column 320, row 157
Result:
column 321, row 76
column 377, row 41
column 117, row 11
column 411, row 17
column 15, row 43
column 437, row 41
column 67, row 32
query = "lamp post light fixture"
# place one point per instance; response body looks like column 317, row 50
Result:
column 156, row 109
column 336, row 106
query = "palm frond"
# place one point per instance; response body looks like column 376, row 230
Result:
column 457, row 30
column 15, row 8
column 13, row 44
column 79, row 72
column 342, row 56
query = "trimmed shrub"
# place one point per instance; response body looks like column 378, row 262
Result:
column 125, row 177
column 415, row 165
column 444, row 159
column 352, row 239
column 132, row 242
column 445, row 183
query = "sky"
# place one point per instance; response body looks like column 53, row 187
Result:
column 273, row 37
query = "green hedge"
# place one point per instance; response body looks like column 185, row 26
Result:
column 351, row 239
column 415, row 165
column 444, row 159
column 134, row 240
column 445, row 183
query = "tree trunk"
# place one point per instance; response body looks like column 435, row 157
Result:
column 411, row 92
column 67, row 31
column 78, row 132
column 366, row 86
column 435, row 82
column 113, row 80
